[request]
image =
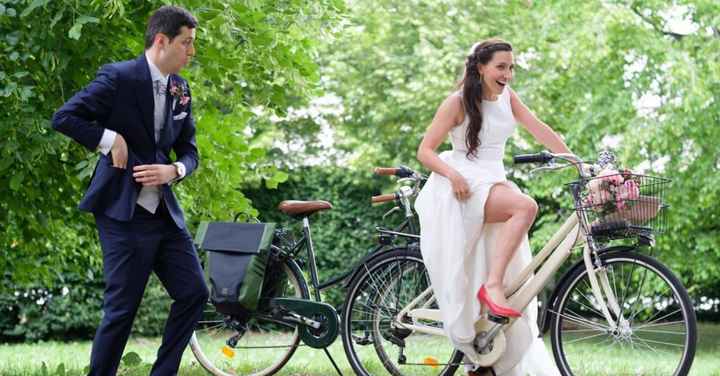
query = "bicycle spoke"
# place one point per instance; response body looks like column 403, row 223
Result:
column 660, row 331
column 625, row 290
column 637, row 297
column 581, row 321
column 583, row 330
column 653, row 324
column 375, row 284
column 592, row 309
column 585, row 338
column 659, row 342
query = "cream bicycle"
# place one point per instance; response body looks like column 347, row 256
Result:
column 614, row 301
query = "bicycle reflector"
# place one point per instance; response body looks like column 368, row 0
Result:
column 431, row 361
column 228, row 352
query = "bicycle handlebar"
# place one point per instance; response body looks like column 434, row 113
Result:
column 402, row 171
column 384, row 198
column 584, row 169
column 542, row 157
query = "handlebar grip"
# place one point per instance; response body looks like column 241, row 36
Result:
column 542, row 157
column 386, row 170
column 401, row 172
column 384, row 198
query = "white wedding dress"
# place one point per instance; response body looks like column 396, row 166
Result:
column 455, row 242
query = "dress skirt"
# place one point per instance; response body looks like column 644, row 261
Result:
column 455, row 245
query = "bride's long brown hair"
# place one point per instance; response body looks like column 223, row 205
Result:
column 471, row 83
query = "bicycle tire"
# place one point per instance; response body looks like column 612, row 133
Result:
column 363, row 292
column 574, row 314
column 213, row 362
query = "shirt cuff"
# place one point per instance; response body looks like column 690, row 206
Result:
column 107, row 141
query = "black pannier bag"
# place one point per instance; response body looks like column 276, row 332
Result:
column 238, row 254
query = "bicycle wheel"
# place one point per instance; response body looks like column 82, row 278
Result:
column 656, row 331
column 376, row 295
column 254, row 344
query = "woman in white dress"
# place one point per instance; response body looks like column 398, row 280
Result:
column 473, row 222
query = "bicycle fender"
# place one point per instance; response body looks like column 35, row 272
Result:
column 544, row 315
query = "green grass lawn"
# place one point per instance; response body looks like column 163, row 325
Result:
column 28, row 359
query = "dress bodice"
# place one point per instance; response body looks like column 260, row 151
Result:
column 498, row 125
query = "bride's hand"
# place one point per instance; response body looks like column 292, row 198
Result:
column 460, row 187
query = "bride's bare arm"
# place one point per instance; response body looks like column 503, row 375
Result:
column 449, row 114
column 541, row 131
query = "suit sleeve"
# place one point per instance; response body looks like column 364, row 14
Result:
column 78, row 118
column 185, row 146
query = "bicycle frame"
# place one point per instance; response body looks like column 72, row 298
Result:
column 530, row 282
column 406, row 229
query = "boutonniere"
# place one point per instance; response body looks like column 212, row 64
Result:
column 179, row 93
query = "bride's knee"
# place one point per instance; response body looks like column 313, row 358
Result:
column 528, row 208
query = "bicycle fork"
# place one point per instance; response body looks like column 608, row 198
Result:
column 600, row 285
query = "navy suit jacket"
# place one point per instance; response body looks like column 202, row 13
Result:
column 121, row 99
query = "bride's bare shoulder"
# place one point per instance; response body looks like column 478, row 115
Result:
column 453, row 108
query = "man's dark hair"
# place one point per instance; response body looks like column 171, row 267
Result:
column 168, row 20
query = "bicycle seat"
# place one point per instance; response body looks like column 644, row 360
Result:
column 296, row 208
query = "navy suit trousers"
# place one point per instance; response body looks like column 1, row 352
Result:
column 131, row 251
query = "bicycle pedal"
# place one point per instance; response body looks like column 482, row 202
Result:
column 502, row 320
column 362, row 341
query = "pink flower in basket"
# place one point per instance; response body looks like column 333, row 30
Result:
column 629, row 190
column 601, row 188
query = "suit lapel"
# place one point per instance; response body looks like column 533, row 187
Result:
column 145, row 98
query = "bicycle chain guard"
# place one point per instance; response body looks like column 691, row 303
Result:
column 309, row 310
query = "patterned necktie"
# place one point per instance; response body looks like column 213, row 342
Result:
column 160, row 87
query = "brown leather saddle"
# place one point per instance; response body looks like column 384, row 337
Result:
column 297, row 208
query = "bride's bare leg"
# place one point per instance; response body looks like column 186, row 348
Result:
column 517, row 212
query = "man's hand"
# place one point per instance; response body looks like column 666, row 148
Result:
column 154, row 174
column 119, row 152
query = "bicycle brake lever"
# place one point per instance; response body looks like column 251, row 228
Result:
column 402, row 180
column 396, row 208
column 551, row 167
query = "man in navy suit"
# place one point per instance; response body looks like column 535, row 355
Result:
column 134, row 113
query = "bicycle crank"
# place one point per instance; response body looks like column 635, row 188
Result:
column 489, row 343
column 317, row 322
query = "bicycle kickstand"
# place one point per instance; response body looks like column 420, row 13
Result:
column 332, row 361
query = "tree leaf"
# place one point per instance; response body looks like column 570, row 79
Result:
column 76, row 30
column 16, row 181
column 32, row 6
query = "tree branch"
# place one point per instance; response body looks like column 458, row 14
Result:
column 655, row 26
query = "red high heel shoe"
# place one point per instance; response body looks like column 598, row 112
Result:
column 495, row 309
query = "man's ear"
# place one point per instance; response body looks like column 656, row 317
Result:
column 161, row 40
